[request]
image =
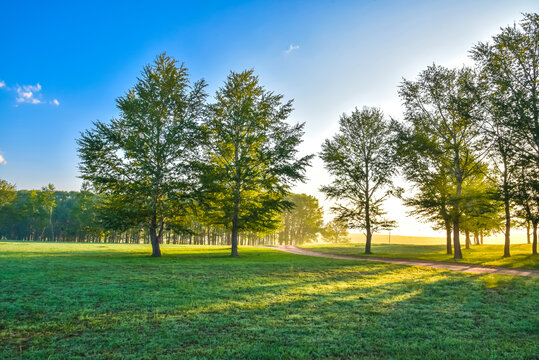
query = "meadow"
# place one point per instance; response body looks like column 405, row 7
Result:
column 112, row 301
column 487, row 255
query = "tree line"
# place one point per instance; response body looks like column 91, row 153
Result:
column 78, row 216
column 178, row 164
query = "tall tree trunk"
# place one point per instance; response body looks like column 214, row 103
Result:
column 456, row 225
column 481, row 235
column 506, row 247
column 235, row 219
column 534, row 246
column 368, row 241
column 154, row 238
column 237, row 189
column 468, row 242
column 528, row 231
column 367, row 223
column 448, row 247
column 52, row 227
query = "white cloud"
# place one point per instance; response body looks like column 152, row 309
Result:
column 291, row 48
column 29, row 94
column 2, row 160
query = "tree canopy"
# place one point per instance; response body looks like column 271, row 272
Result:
column 251, row 156
column 143, row 159
column 444, row 116
column 360, row 157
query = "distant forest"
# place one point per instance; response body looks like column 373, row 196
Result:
column 49, row 215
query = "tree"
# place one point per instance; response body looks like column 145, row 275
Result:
column 251, row 158
column 336, row 232
column 432, row 181
column 361, row 159
column 46, row 198
column 443, row 110
column 7, row 193
column 142, row 160
column 502, row 159
column 303, row 221
column 85, row 213
column 7, row 197
column 511, row 65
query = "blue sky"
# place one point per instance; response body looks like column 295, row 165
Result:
column 342, row 54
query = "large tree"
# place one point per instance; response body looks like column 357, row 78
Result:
column 503, row 156
column 510, row 63
column 142, row 160
column 443, row 109
column 251, row 157
column 432, row 199
column 360, row 157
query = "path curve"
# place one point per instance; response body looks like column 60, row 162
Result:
column 471, row 268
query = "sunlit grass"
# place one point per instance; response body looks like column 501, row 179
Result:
column 497, row 239
column 490, row 255
column 105, row 301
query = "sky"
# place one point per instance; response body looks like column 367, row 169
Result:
column 63, row 64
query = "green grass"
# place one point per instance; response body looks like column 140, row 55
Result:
column 96, row 301
column 490, row 255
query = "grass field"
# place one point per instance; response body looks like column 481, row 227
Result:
column 97, row 301
column 491, row 255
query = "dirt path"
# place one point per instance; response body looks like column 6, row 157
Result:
column 471, row 268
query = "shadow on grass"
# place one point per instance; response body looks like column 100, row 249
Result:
column 265, row 304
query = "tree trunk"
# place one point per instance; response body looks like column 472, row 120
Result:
column 506, row 248
column 237, row 193
column 368, row 226
column 481, row 235
column 449, row 249
column 468, row 242
column 456, row 225
column 528, row 231
column 154, row 237
column 235, row 228
column 534, row 246
column 368, row 242
column 52, row 227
